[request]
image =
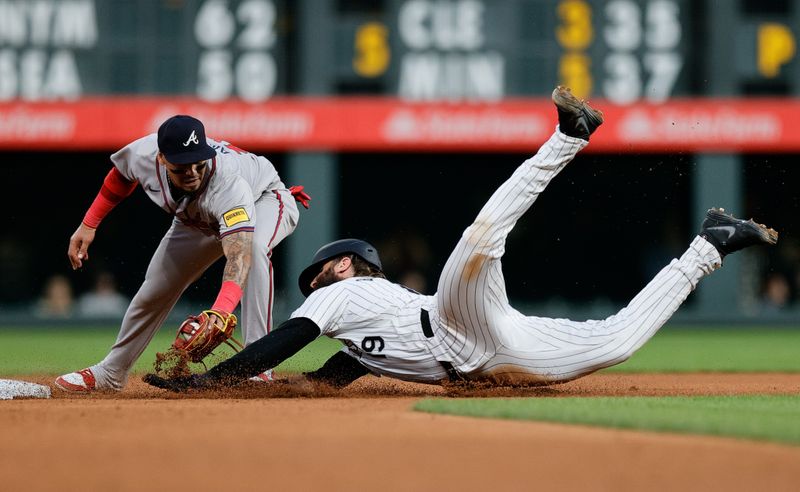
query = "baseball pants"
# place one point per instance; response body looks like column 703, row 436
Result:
column 488, row 339
column 182, row 256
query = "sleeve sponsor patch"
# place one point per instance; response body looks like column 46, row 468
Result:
column 235, row 216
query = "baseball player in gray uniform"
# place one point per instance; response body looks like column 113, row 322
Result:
column 225, row 201
column 468, row 330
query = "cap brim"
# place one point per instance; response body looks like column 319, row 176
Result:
column 197, row 155
column 307, row 275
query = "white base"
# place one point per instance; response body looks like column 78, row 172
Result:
column 10, row 389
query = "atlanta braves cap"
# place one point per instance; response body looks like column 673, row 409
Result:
column 182, row 140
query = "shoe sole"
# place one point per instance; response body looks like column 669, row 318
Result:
column 766, row 234
column 566, row 101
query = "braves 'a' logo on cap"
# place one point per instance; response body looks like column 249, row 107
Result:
column 192, row 139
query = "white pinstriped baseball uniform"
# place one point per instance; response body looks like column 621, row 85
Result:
column 471, row 325
column 379, row 322
column 241, row 192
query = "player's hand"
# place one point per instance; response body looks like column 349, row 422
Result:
column 79, row 245
column 300, row 195
column 199, row 335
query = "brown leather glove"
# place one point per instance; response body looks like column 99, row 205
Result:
column 200, row 334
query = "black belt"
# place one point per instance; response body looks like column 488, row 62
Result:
column 427, row 330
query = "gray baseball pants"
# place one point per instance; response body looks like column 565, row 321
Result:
column 182, row 256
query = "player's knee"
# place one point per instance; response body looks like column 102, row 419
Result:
column 477, row 234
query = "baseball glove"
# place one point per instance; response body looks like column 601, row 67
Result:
column 199, row 335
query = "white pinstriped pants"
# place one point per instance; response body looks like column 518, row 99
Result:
column 488, row 339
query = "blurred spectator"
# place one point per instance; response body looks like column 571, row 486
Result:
column 776, row 292
column 103, row 301
column 780, row 285
column 57, row 300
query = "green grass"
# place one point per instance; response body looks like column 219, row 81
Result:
column 56, row 350
column 721, row 349
column 770, row 418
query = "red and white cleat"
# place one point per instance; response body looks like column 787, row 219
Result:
column 264, row 377
column 77, row 382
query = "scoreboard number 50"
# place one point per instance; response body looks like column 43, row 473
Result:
column 252, row 74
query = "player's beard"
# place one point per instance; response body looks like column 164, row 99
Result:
column 326, row 278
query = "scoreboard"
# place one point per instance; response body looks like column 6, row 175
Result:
column 212, row 49
column 67, row 63
column 620, row 50
column 624, row 51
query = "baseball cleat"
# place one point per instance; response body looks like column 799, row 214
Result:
column 575, row 117
column 264, row 377
column 728, row 234
column 77, row 382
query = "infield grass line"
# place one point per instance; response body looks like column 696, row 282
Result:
column 717, row 349
column 773, row 418
column 49, row 350
column 59, row 350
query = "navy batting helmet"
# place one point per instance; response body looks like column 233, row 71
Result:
column 363, row 249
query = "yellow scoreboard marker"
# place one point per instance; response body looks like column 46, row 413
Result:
column 776, row 47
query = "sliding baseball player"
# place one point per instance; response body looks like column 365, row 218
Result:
column 468, row 330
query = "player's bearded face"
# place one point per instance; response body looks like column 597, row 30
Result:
column 187, row 177
column 326, row 276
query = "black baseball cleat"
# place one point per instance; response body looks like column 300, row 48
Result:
column 176, row 385
column 728, row 234
column 575, row 117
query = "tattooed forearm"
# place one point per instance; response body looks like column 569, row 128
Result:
column 238, row 249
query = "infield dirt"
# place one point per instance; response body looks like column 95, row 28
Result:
column 277, row 437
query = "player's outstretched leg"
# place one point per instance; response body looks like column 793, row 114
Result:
column 729, row 234
column 471, row 291
column 575, row 117
column 557, row 350
column 165, row 281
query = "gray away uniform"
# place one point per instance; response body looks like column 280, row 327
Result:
column 241, row 192
column 470, row 326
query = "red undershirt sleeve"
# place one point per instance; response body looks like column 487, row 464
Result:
column 115, row 189
column 229, row 296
